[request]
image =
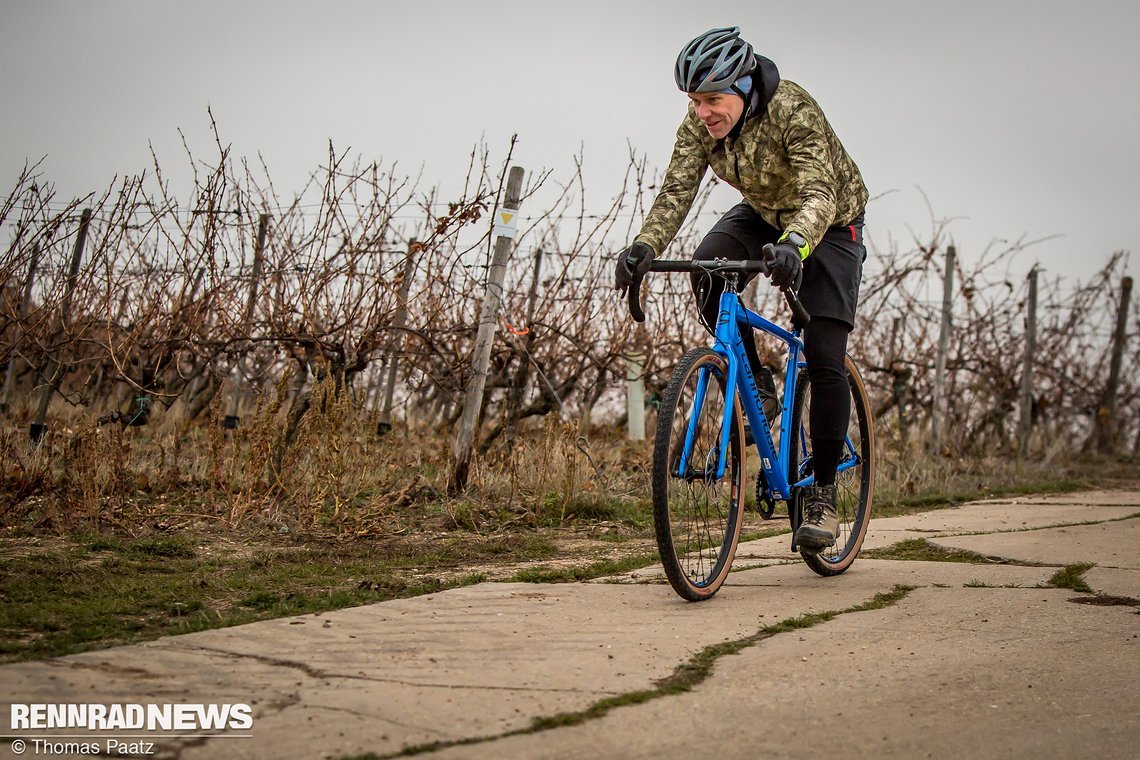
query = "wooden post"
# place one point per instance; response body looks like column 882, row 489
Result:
column 635, row 396
column 232, row 419
column 489, row 313
column 1025, row 421
column 25, row 305
column 1105, row 425
column 899, row 379
column 393, row 359
column 1136, row 445
column 893, row 350
column 939, row 402
column 54, row 374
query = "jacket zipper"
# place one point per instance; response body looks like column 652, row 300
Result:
column 730, row 148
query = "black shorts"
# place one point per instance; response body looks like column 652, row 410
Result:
column 832, row 272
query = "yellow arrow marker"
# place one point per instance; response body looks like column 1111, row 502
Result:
column 506, row 223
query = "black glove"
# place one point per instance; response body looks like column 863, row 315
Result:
column 632, row 263
column 785, row 267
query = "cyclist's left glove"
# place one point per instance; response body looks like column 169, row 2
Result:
column 632, row 263
column 786, row 266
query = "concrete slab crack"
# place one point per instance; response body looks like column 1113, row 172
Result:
column 375, row 717
column 326, row 675
column 1107, row 600
column 684, row 677
column 105, row 668
column 1079, row 523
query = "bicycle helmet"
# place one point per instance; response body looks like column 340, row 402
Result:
column 713, row 61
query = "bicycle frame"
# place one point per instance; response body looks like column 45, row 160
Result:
column 698, row 504
column 732, row 318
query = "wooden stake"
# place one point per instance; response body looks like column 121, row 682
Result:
column 488, row 316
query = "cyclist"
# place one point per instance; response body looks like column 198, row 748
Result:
column 769, row 139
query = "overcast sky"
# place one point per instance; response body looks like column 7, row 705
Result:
column 1018, row 118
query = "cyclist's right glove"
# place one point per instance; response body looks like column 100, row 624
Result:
column 632, row 263
column 786, row 266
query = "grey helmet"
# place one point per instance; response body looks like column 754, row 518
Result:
column 713, row 61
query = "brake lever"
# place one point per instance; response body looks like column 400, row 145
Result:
column 635, row 309
column 798, row 311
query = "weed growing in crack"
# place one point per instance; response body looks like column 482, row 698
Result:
column 921, row 550
column 975, row 583
column 1072, row 577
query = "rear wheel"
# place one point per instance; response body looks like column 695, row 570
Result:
column 855, row 481
column 696, row 514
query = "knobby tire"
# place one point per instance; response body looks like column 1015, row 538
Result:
column 855, row 487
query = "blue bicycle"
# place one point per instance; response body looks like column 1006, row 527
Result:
column 699, row 450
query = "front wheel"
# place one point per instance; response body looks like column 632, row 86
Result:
column 697, row 511
column 855, row 481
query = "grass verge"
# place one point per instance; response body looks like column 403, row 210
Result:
column 99, row 591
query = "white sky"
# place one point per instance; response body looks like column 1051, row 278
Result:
column 1019, row 117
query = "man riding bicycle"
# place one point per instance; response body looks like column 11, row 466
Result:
column 801, row 191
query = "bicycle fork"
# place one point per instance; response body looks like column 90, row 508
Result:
column 683, row 468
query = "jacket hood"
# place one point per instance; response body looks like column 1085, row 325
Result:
column 768, row 76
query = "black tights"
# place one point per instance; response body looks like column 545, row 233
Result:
column 825, row 345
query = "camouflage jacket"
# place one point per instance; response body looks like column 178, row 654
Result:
column 787, row 163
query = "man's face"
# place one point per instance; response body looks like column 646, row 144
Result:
column 718, row 111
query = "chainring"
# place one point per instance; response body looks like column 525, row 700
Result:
column 765, row 504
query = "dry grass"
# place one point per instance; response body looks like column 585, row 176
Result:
column 332, row 473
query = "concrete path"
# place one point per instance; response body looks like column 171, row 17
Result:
column 975, row 661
